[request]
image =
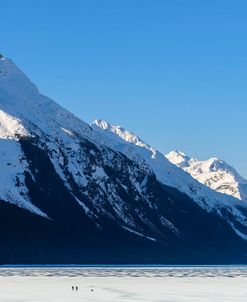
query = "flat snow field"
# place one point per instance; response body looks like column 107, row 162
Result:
column 51, row 288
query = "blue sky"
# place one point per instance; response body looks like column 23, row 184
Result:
column 172, row 71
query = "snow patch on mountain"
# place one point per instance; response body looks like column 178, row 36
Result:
column 13, row 166
column 170, row 225
column 138, row 234
column 214, row 173
column 99, row 173
column 11, row 127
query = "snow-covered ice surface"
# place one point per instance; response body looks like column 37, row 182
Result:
column 173, row 284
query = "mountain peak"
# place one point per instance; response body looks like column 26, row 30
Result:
column 213, row 172
column 178, row 158
column 102, row 124
column 14, row 84
column 121, row 132
column 20, row 98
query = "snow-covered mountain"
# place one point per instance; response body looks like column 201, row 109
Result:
column 166, row 172
column 214, row 173
column 75, row 193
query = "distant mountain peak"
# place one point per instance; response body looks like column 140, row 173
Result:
column 213, row 172
column 121, row 132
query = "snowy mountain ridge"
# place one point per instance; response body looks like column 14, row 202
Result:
column 167, row 172
column 122, row 133
column 214, row 173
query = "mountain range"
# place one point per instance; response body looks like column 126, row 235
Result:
column 71, row 192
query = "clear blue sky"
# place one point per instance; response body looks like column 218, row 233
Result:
column 173, row 71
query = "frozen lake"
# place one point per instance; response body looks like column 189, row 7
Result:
column 171, row 284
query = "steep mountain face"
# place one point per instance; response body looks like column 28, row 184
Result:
column 72, row 193
column 214, row 173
